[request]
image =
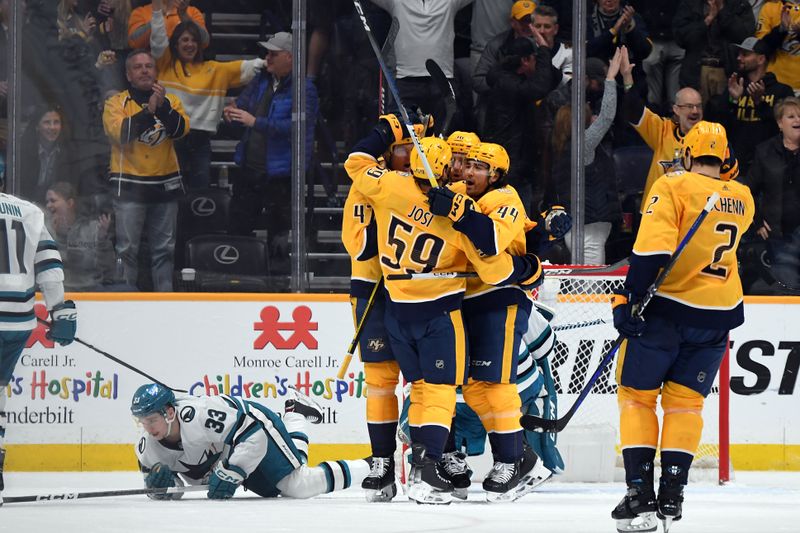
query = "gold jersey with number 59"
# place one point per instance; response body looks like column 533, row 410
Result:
column 704, row 288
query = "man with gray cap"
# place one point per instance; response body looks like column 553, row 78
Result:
column 264, row 153
column 746, row 108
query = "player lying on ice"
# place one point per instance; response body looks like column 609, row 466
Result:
column 225, row 442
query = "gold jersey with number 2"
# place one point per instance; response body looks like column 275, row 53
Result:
column 704, row 283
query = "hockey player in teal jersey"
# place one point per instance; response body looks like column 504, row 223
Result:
column 31, row 259
column 225, row 442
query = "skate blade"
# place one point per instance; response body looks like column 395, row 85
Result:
column 535, row 478
column 667, row 521
column 383, row 495
column 500, row 497
column 460, row 494
column 643, row 522
column 424, row 495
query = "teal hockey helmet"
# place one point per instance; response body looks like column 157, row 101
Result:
column 151, row 398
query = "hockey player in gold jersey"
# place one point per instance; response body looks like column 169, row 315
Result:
column 381, row 371
column 495, row 317
column 423, row 317
column 460, row 142
column 676, row 348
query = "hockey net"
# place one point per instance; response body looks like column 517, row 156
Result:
column 585, row 332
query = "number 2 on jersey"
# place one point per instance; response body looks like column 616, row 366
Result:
column 425, row 248
column 714, row 269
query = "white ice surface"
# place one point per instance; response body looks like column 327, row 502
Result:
column 755, row 502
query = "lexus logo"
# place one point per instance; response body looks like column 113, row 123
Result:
column 226, row 254
column 203, row 206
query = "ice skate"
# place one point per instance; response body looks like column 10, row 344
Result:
column 379, row 485
column 636, row 511
column 426, row 483
column 532, row 474
column 456, row 469
column 303, row 405
column 670, row 496
column 501, row 481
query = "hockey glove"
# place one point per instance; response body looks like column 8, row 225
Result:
column 446, row 203
column 161, row 477
column 224, row 481
column 531, row 275
column 557, row 222
column 64, row 322
column 624, row 305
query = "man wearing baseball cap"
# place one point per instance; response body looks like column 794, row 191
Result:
column 264, row 153
column 749, row 101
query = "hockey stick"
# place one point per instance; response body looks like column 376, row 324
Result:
column 579, row 325
column 395, row 94
column 533, row 423
column 116, row 360
column 446, row 89
column 388, row 44
column 66, row 496
column 566, row 271
column 359, row 329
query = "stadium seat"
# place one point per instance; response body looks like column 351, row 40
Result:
column 226, row 263
column 201, row 212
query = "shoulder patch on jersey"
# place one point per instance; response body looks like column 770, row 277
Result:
column 375, row 172
column 187, row 414
column 142, row 443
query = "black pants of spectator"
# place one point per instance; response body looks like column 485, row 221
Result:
column 251, row 195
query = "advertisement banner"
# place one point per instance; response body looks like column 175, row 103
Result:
column 257, row 346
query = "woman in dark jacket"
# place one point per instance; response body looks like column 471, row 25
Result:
column 602, row 206
column 774, row 180
column 45, row 155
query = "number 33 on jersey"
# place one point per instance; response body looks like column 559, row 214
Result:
column 705, row 281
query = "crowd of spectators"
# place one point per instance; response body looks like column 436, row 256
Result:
column 122, row 99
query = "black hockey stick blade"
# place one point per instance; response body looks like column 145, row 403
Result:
column 549, row 425
column 438, row 77
column 66, row 496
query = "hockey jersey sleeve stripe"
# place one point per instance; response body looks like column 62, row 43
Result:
column 17, row 296
column 48, row 264
column 46, row 245
column 247, row 432
column 9, row 316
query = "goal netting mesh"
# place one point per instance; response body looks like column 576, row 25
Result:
column 585, row 332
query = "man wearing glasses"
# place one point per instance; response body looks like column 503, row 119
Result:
column 663, row 135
